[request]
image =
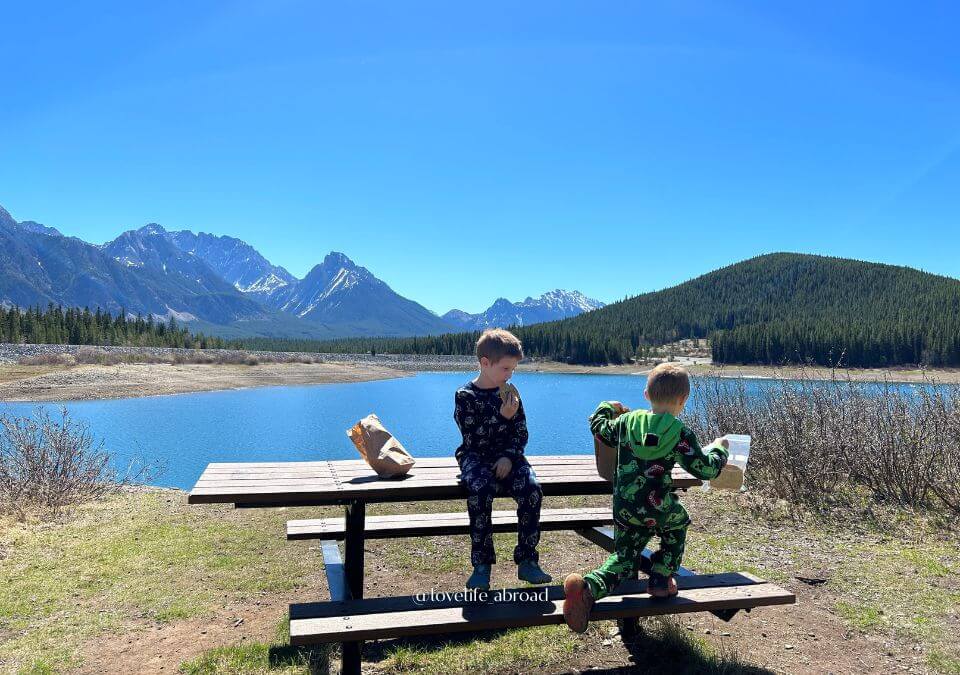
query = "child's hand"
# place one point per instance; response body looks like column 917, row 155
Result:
column 723, row 442
column 619, row 408
column 510, row 406
column 501, row 468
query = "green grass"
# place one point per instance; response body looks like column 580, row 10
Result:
column 130, row 558
column 944, row 663
column 278, row 658
column 519, row 650
column 897, row 586
column 147, row 558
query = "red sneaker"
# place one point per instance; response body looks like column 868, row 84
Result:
column 577, row 602
column 660, row 586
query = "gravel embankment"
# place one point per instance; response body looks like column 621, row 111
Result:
column 12, row 353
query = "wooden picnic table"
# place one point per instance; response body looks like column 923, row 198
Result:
column 353, row 484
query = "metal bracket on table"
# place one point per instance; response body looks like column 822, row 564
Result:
column 603, row 537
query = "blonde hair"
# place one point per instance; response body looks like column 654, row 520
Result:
column 668, row 383
column 495, row 343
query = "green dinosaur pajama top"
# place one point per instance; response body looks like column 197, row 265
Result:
column 644, row 504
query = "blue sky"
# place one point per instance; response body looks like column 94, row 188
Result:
column 504, row 149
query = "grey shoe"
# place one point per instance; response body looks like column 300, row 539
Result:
column 528, row 570
column 480, row 579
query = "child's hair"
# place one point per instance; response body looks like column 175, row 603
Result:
column 495, row 343
column 667, row 383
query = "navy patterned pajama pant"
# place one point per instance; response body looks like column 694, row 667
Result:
column 482, row 485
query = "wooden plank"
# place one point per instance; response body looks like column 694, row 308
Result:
column 372, row 482
column 517, row 614
column 318, row 610
column 351, row 464
column 316, row 483
column 287, row 496
column 270, row 496
column 435, row 524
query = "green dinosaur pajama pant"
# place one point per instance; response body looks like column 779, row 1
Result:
column 629, row 543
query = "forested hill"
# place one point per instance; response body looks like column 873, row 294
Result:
column 770, row 309
column 789, row 307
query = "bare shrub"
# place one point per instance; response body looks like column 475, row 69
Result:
column 48, row 360
column 816, row 442
column 48, row 464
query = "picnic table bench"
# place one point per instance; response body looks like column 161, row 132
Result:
column 350, row 618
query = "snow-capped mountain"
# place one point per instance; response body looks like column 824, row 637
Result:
column 38, row 267
column 551, row 306
column 225, row 285
column 338, row 291
column 193, row 290
column 234, row 260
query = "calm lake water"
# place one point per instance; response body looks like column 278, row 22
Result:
column 183, row 433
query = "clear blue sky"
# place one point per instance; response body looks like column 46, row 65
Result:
column 613, row 148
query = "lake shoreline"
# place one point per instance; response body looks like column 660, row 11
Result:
column 90, row 382
column 85, row 382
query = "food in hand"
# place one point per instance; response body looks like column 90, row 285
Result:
column 506, row 389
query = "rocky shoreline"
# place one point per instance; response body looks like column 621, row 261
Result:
column 13, row 353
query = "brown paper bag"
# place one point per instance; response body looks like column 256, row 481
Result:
column 384, row 453
column 606, row 458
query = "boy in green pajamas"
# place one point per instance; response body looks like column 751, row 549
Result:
column 649, row 443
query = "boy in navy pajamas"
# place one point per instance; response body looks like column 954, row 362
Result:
column 490, row 416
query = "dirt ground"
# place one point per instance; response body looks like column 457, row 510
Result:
column 88, row 382
column 809, row 637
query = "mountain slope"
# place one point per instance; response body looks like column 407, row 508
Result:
column 221, row 285
column 551, row 306
column 234, row 260
column 191, row 289
column 790, row 307
column 38, row 267
column 340, row 292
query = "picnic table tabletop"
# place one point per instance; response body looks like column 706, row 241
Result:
column 338, row 481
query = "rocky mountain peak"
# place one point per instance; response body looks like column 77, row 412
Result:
column 152, row 229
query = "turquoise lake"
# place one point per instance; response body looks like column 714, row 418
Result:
column 182, row 433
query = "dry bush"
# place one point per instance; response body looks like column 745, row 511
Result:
column 816, row 442
column 48, row 464
column 48, row 360
column 94, row 355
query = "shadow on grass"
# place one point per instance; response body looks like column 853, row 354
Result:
column 662, row 646
column 316, row 659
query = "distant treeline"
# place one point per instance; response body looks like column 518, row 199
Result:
column 846, row 344
column 73, row 326
column 539, row 340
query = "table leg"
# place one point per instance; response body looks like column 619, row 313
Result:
column 353, row 562
column 629, row 627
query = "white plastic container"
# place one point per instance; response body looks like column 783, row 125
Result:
column 739, row 450
column 731, row 478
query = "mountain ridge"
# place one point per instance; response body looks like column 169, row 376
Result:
column 550, row 306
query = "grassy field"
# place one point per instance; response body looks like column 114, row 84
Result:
column 142, row 580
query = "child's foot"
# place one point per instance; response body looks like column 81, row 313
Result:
column 480, row 579
column 577, row 602
column 660, row 586
column 529, row 570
